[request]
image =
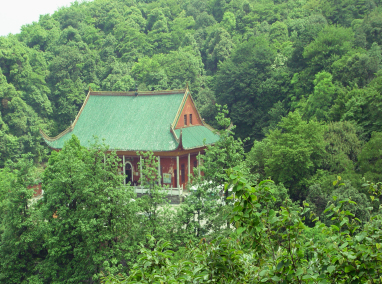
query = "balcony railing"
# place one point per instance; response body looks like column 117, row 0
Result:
column 169, row 190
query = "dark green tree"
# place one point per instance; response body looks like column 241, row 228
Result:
column 21, row 247
column 245, row 83
column 370, row 158
column 89, row 218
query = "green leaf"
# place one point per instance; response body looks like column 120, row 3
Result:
column 265, row 181
column 349, row 268
column 240, row 230
column 263, row 272
column 344, row 245
column 299, row 271
column 335, row 228
column 331, row 268
column 280, row 265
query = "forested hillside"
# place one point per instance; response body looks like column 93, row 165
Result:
column 301, row 79
column 261, row 58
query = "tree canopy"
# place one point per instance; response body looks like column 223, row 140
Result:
column 248, row 55
column 301, row 79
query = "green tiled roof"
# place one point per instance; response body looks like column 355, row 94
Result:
column 193, row 136
column 132, row 123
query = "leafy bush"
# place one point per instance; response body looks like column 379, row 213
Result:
column 272, row 246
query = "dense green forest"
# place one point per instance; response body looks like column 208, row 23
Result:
column 300, row 79
column 263, row 59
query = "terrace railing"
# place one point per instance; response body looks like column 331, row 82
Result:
column 172, row 191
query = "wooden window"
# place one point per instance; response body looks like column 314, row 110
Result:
column 175, row 179
column 182, row 173
column 195, row 163
column 185, row 119
column 190, row 118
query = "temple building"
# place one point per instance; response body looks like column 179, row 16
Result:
column 164, row 122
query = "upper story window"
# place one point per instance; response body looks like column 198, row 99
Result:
column 185, row 119
column 190, row 118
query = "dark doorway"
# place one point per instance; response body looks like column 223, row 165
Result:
column 128, row 173
column 183, row 173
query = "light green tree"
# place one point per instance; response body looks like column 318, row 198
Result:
column 293, row 153
column 319, row 103
column 279, row 32
column 226, row 153
column 229, row 22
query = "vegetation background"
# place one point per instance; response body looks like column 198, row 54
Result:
column 301, row 79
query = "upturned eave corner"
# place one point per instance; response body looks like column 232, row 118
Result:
column 44, row 136
column 210, row 128
column 177, row 139
column 180, row 145
column 47, row 139
column 52, row 139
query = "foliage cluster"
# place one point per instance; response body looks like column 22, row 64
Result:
column 80, row 226
column 263, row 59
column 271, row 246
column 301, row 79
column 87, row 227
column 87, row 223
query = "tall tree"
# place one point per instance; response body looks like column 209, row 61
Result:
column 319, row 103
column 90, row 220
column 21, row 246
column 226, row 153
column 245, row 83
column 293, row 153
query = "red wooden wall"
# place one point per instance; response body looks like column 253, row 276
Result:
column 168, row 166
column 189, row 108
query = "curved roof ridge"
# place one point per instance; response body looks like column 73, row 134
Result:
column 133, row 93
